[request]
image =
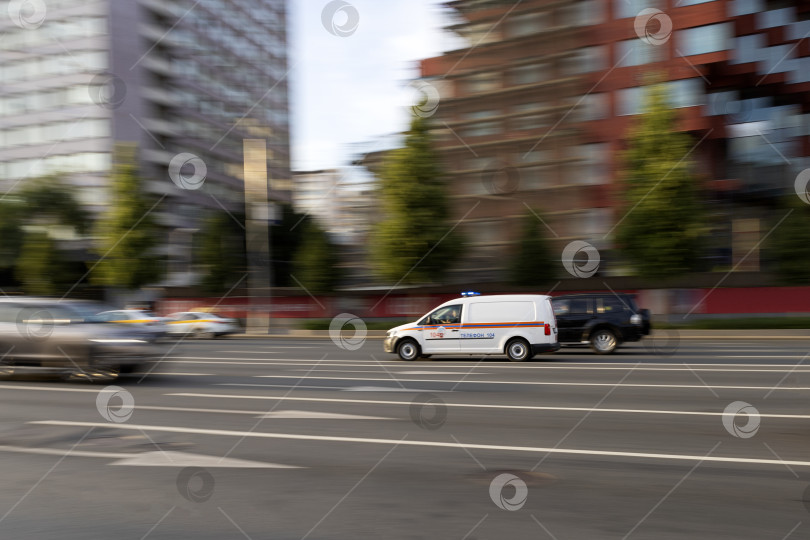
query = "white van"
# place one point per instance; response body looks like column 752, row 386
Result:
column 517, row 325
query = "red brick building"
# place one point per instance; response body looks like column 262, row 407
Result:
column 534, row 113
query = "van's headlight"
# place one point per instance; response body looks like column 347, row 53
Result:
column 635, row 319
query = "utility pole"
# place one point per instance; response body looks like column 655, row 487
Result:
column 257, row 235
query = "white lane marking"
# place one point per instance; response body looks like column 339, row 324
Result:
column 759, row 355
column 379, row 371
column 601, row 368
column 47, row 388
column 316, row 415
column 183, row 459
column 539, row 383
column 384, row 388
column 152, row 459
column 297, row 387
column 290, row 346
column 67, row 452
column 435, row 444
column 460, row 405
column 250, row 352
column 183, row 374
column 451, row 364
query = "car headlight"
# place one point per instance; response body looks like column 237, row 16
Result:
column 635, row 319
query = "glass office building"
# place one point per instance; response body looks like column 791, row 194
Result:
column 173, row 76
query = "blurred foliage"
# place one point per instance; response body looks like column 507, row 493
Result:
column 36, row 264
column 221, row 252
column 41, row 208
column 50, row 202
column 316, row 260
column 414, row 242
column 126, row 234
column 533, row 258
column 11, row 232
column 285, row 239
column 789, row 246
column 662, row 223
column 325, row 324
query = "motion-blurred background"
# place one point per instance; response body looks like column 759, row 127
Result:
column 653, row 146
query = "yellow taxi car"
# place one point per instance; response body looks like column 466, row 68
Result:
column 152, row 326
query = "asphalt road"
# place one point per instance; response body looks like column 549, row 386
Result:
column 292, row 439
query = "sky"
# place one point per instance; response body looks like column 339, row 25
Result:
column 350, row 90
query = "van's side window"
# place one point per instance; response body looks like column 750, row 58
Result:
column 446, row 315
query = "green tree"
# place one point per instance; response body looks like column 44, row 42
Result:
column 37, row 263
column 533, row 255
column 11, row 235
column 788, row 245
column 221, row 252
column 316, row 260
column 40, row 211
column 126, row 233
column 660, row 229
column 414, row 242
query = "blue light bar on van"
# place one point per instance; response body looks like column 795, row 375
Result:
column 470, row 293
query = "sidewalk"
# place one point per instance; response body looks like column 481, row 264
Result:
column 665, row 334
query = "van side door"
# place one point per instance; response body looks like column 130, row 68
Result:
column 440, row 330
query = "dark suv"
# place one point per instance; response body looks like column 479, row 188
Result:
column 605, row 320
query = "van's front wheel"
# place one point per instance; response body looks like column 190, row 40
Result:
column 518, row 350
column 408, row 350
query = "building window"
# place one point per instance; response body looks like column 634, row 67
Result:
column 686, row 93
column 481, row 129
column 704, row 39
column 478, row 115
column 525, row 119
column 586, row 60
column 629, row 101
column 583, row 13
column 635, row 52
column 528, row 24
column 480, row 34
column 593, row 107
column 630, row 8
column 531, row 74
column 589, row 166
column 483, row 82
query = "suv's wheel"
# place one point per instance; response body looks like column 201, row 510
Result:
column 518, row 350
column 603, row 341
column 408, row 350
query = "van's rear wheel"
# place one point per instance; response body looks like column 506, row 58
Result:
column 603, row 341
column 518, row 350
column 408, row 350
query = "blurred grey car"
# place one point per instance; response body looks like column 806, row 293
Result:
column 67, row 338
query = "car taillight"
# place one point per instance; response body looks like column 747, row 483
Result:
column 548, row 329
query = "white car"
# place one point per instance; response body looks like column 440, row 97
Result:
column 155, row 327
column 200, row 324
